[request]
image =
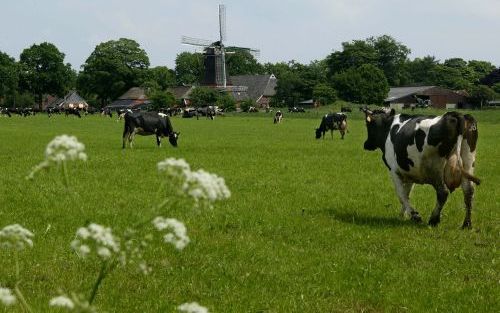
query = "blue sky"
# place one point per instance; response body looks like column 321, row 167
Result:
column 283, row 30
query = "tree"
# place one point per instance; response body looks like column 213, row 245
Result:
column 43, row 71
column 113, row 67
column 9, row 77
column 422, row 70
column 246, row 104
column 492, row 78
column 451, row 77
column 289, row 89
column 496, row 88
column 480, row 69
column 161, row 99
column 324, row 93
column 189, row 68
column 481, row 94
column 202, row 96
column 226, row 101
column 162, row 76
column 391, row 57
column 364, row 84
column 242, row 62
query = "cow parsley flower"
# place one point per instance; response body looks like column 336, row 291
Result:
column 62, row 302
column 192, row 307
column 200, row 185
column 96, row 237
column 178, row 237
column 15, row 236
column 6, row 296
column 61, row 149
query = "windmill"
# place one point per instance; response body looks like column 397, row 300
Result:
column 214, row 53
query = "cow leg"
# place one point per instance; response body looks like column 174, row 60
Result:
column 342, row 133
column 158, row 141
column 403, row 191
column 442, row 195
column 126, row 136
column 468, row 189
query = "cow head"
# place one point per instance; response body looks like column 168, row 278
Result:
column 172, row 138
column 377, row 125
column 318, row 133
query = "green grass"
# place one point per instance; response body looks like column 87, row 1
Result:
column 312, row 225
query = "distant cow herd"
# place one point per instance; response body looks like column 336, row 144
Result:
column 436, row 150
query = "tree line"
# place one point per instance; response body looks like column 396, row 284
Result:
column 361, row 72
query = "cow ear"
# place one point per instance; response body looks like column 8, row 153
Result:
column 392, row 112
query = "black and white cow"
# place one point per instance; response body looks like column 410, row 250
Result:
column 5, row 111
column 332, row 121
column 148, row 123
column 278, row 116
column 435, row 150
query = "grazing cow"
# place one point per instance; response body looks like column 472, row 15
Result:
column 5, row 111
column 148, row 123
column 278, row 116
column 332, row 122
column 296, row 110
column 72, row 111
column 435, row 150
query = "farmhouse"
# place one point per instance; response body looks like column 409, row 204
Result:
column 135, row 97
column 438, row 97
column 259, row 88
column 70, row 101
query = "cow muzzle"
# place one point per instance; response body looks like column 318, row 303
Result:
column 369, row 146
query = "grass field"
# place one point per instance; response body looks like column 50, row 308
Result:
column 311, row 226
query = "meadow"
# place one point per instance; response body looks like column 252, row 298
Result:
column 311, row 226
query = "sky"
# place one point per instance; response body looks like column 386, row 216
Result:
column 303, row 31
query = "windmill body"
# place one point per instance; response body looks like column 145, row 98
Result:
column 214, row 53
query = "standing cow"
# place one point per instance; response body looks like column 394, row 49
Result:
column 148, row 123
column 278, row 116
column 435, row 150
column 332, row 122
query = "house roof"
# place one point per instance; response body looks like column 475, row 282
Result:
column 71, row 98
column 134, row 93
column 401, row 92
column 258, row 85
column 181, row 92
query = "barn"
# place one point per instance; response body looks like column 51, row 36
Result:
column 259, row 88
column 135, row 97
column 437, row 97
column 70, row 101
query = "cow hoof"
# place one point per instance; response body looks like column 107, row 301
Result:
column 416, row 217
column 467, row 225
column 434, row 221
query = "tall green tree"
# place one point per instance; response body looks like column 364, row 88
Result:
column 161, row 99
column 364, row 84
column 480, row 69
column 353, row 54
column 391, row 57
column 9, row 77
column 43, row 71
column 422, row 71
column 189, row 68
column 242, row 62
column 324, row 93
column 201, row 96
column 113, row 67
column 481, row 94
column 162, row 77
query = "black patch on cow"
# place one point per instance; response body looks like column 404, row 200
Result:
column 471, row 133
column 420, row 139
column 445, row 132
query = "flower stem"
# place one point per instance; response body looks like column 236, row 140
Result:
column 102, row 275
column 65, row 174
column 22, row 300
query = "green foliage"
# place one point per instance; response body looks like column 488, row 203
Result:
column 161, row 99
column 9, row 76
column 242, row 62
column 366, row 84
column 43, row 71
column 161, row 76
column 492, row 78
column 246, row 104
column 422, row 71
column 23, row 100
column 189, row 68
column 202, row 96
column 496, row 88
column 113, row 67
column 450, row 77
column 324, row 94
column 226, row 101
column 480, row 94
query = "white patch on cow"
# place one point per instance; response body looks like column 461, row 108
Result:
column 162, row 114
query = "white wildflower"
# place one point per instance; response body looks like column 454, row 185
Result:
column 178, row 237
column 200, row 185
column 15, row 236
column 62, row 302
column 6, row 296
column 60, row 149
column 98, row 237
column 192, row 307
